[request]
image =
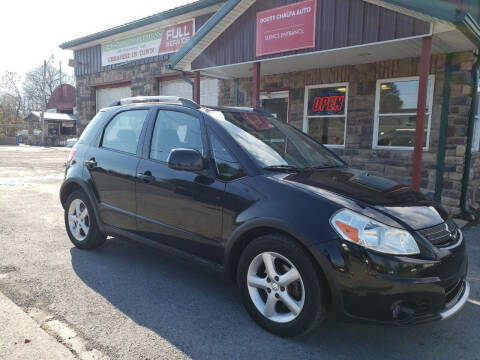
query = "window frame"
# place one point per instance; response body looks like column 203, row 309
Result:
column 211, row 155
column 151, row 130
column 306, row 117
column 376, row 117
column 140, row 138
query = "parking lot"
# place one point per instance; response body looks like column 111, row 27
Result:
column 127, row 301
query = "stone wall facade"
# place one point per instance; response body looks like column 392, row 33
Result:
column 358, row 152
column 143, row 83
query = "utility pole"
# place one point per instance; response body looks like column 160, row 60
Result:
column 44, row 93
column 44, row 97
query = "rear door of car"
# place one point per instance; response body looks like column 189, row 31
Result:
column 113, row 164
column 182, row 209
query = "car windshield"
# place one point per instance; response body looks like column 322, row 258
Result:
column 274, row 144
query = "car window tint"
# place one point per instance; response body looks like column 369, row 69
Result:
column 87, row 134
column 123, row 132
column 175, row 130
column 227, row 167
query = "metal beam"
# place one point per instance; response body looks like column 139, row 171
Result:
column 196, row 87
column 424, row 70
column 256, row 86
column 442, row 140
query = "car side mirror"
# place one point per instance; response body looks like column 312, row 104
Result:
column 185, row 159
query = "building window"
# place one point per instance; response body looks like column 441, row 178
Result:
column 325, row 113
column 52, row 128
column 395, row 113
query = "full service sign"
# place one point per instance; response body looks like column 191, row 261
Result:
column 157, row 42
column 286, row 28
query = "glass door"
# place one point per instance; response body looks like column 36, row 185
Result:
column 276, row 103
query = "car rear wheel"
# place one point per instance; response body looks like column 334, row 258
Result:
column 80, row 222
column 280, row 287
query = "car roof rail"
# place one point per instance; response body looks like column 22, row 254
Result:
column 239, row 108
column 156, row 99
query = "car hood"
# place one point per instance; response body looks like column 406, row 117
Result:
column 400, row 202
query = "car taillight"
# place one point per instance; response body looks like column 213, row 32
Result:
column 71, row 155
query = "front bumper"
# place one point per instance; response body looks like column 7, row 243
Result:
column 398, row 290
column 462, row 299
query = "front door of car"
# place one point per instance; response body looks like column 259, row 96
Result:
column 112, row 167
column 179, row 208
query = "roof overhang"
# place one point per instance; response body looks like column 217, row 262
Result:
column 444, row 42
column 448, row 26
column 50, row 116
column 218, row 23
column 437, row 12
column 164, row 18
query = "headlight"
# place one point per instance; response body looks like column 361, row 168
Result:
column 372, row 234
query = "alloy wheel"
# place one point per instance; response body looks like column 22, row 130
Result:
column 275, row 287
column 78, row 219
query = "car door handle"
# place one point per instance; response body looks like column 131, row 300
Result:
column 90, row 163
column 146, row 177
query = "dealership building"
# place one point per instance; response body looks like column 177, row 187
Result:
column 360, row 76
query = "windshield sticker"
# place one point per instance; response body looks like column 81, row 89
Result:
column 259, row 122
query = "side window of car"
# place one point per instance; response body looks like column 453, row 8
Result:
column 227, row 167
column 123, row 131
column 174, row 130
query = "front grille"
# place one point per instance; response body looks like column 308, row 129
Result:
column 443, row 235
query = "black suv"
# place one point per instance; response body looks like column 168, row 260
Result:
column 300, row 232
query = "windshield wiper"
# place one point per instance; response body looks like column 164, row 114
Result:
column 291, row 168
column 321, row 167
column 287, row 168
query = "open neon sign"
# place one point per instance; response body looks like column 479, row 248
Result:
column 328, row 104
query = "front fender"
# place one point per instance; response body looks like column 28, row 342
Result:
column 71, row 184
column 327, row 254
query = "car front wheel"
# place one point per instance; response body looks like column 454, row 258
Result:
column 280, row 287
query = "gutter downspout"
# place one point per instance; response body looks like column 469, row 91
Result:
column 442, row 141
column 468, row 151
column 186, row 79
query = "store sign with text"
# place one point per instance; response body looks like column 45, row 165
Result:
column 156, row 42
column 327, row 102
column 286, row 28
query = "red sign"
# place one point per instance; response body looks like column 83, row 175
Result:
column 286, row 28
column 331, row 104
column 175, row 36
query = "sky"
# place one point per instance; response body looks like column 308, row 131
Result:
column 32, row 30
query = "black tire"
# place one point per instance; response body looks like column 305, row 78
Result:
column 313, row 311
column 95, row 237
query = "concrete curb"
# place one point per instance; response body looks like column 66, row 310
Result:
column 22, row 338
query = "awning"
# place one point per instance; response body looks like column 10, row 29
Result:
column 51, row 116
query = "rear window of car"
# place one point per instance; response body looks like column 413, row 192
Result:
column 91, row 128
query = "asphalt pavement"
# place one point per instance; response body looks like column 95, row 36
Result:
column 128, row 301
